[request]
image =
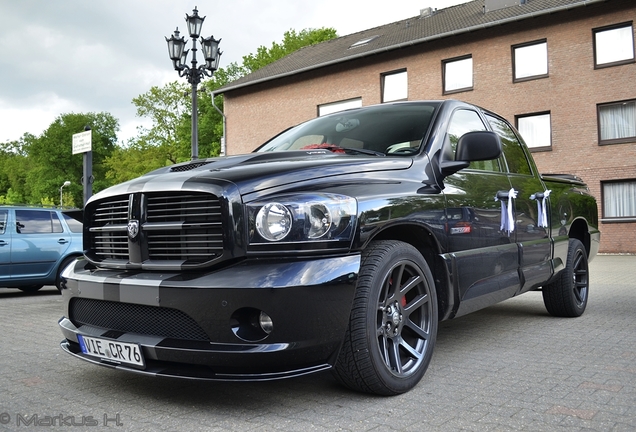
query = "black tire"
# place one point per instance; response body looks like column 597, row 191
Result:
column 58, row 278
column 392, row 328
column 30, row 288
column 567, row 295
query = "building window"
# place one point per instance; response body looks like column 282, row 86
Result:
column 619, row 199
column 457, row 74
column 536, row 130
column 614, row 45
column 332, row 107
column 394, row 86
column 617, row 122
column 530, row 60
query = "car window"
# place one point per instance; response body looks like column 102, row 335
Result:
column 37, row 222
column 514, row 154
column 463, row 121
column 389, row 130
column 74, row 225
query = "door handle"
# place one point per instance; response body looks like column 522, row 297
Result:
column 3, row 243
column 503, row 195
column 62, row 241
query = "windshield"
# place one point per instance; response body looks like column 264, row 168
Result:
column 392, row 129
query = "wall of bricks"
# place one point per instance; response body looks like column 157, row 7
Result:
column 570, row 93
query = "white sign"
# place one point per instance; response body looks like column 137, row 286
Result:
column 82, row 142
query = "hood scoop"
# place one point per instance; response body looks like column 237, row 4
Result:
column 188, row 166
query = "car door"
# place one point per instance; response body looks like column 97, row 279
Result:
column 531, row 227
column 483, row 250
column 5, row 246
column 37, row 244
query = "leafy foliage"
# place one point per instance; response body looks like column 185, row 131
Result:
column 34, row 168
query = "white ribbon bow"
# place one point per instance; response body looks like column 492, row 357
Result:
column 507, row 219
column 542, row 211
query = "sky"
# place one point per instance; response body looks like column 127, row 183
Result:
column 80, row 56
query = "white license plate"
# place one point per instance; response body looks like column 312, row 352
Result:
column 110, row 350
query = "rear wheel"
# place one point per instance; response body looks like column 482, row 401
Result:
column 567, row 295
column 393, row 324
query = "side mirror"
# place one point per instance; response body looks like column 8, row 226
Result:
column 477, row 146
column 473, row 146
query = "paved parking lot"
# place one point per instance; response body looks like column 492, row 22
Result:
column 508, row 367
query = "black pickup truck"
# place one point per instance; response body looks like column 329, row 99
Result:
column 339, row 244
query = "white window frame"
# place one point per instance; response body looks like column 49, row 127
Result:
column 530, row 60
column 536, row 130
column 395, row 86
column 613, row 45
column 618, row 125
column 333, row 107
column 619, row 200
column 457, row 74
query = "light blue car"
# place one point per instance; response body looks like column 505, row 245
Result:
column 36, row 244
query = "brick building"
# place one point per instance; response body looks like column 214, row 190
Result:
column 563, row 71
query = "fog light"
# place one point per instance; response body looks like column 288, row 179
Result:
column 266, row 322
column 251, row 324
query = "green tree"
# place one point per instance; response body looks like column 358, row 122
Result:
column 51, row 161
column 14, row 165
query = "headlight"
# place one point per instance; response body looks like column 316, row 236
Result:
column 302, row 218
column 273, row 221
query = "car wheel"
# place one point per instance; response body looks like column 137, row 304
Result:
column 393, row 323
column 30, row 288
column 567, row 295
column 58, row 278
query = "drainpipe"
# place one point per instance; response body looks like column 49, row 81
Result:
column 224, row 124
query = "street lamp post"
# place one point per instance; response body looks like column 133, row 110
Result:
column 194, row 74
column 66, row 183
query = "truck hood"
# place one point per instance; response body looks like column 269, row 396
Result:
column 256, row 172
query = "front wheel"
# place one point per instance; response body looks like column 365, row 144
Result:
column 567, row 295
column 393, row 324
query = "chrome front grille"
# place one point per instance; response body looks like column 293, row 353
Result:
column 184, row 227
column 176, row 229
column 111, row 241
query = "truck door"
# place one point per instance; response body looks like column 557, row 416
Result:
column 531, row 224
column 5, row 247
column 484, row 253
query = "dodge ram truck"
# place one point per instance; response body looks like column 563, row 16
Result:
column 339, row 244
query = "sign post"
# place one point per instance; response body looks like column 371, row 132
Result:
column 82, row 143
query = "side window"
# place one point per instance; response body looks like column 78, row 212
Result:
column 3, row 221
column 461, row 122
column 512, row 150
column 37, row 222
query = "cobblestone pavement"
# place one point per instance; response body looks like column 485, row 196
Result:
column 509, row 367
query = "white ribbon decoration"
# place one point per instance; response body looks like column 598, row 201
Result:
column 507, row 219
column 542, row 211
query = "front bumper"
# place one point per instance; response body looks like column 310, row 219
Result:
column 309, row 302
